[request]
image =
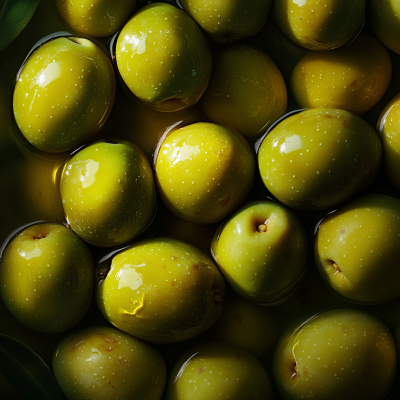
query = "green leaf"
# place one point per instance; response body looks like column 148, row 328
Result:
column 27, row 371
column 14, row 17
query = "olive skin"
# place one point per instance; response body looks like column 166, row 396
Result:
column 388, row 128
column 346, row 354
column 95, row 17
column 104, row 363
column 108, row 192
column 204, row 171
column 246, row 90
column 320, row 25
column 161, row 290
column 385, row 21
column 164, row 58
column 217, row 370
column 353, row 78
column 64, row 94
column 357, row 249
column 228, row 21
column 319, row 158
column 47, row 278
column 261, row 250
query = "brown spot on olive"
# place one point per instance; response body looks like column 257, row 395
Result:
column 239, row 353
column 195, row 266
column 201, row 370
column 174, row 257
column 238, row 319
column 173, row 283
column 354, row 83
column 345, row 124
column 225, row 200
column 342, row 231
column 328, row 116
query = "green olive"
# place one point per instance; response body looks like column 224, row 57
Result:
column 161, row 290
column 320, row 25
column 319, row 158
column 64, row 94
column 340, row 354
column 204, row 171
column 104, row 363
column 95, row 17
column 246, row 90
column 108, row 192
column 164, row 58
column 352, row 78
column 357, row 249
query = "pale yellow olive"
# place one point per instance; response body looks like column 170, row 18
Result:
column 204, row 171
column 161, row 290
column 64, row 94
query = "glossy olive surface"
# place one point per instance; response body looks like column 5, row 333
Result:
column 388, row 128
column 108, row 193
column 46, row 278
column 261, row 250
column 246, row 90
column 162, row 290
column 164, row 58
column 346, row 354
column 217, row 370
column 227, row 21
column 102, row 363
column 319, row 158
column 357, row 249
column 95, row 17
column 385, row 21
column 320, row 25
column 64, row 94
column 353, row 78
column 204, row 171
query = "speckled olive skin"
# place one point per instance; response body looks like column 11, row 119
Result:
column 47, row 278
column 102, row 363
column 385, row 21
column 388, row 128
column 246, row 90
column 108, row 192
column 246, row 325
column 352, row 78
column 164, row 58
column 217, row 370
column 227, row 21
column 95, row 17
column 346, row 354
column 261, row 250
column 204, row 171
column 320, row 24
column 64, row 94
column 319, row 158
column 162, row 290
column 362, row 239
